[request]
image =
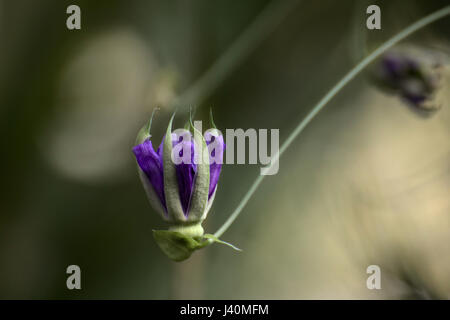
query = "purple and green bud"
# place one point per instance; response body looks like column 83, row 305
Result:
column 411, row 75
column 180, row 178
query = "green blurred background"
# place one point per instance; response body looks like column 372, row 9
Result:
column 366, row 183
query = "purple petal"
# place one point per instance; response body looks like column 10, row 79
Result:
column 394, row 65
column 414, row 98
column 395, row 68
column 215, row 160
column 151, row 163
column 185, row 172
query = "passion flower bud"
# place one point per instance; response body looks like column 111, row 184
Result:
column 180, row 179
column 412, row 75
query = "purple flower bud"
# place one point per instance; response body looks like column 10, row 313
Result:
column 151, row 164
column 409, row 76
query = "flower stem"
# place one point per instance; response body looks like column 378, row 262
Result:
column 321, row 104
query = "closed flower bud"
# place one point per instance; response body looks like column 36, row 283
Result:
column 412, row 74
column 180, row 178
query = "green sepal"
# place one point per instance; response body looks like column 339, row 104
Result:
column 179, row 246
column 188, row 122
column 199, row 200
column 215, row 239
column 144, row 133
column 173, row 203
column 176, row 245
column 211, row 119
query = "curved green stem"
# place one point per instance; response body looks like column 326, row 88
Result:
column 319, row 106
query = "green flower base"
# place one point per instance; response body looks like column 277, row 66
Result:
column 179, row 242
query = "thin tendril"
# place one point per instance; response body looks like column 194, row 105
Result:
column 319, row 106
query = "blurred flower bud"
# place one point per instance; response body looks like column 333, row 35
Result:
column 413, row 75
